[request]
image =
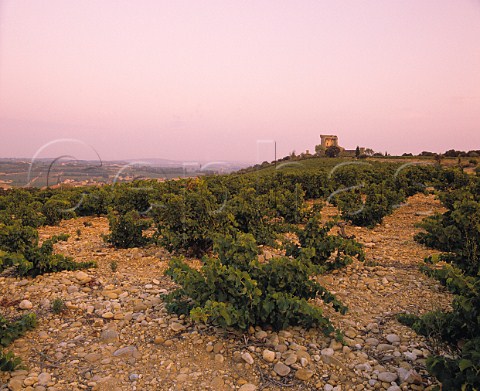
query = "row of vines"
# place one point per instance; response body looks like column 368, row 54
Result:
column 457, row 234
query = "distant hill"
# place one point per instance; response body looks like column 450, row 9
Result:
column 49, row 171
column 217, row 166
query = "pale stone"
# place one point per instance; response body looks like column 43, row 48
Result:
column 109, row 336
column 247, row 357
column 217, row 383
column 335, row 345
column 261, row 334
column 82, row 277
column 387, row 377
column 25, row 305
column 44, row 378
column 327, row 352
column 304, row 374
column 127, row 351
column 218, row 347
column 281, row 369
column 383, row 347
column 291, row 359
column 351, row 333
column 15, row 384
column 393, row 338
column 176, row 327
column 268, row 355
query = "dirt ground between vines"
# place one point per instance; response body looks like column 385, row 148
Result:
column 116, row 334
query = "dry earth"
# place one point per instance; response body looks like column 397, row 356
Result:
column 116, row 334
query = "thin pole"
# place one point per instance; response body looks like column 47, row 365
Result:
column 275, row 154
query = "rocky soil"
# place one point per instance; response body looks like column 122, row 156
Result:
column 116, row 335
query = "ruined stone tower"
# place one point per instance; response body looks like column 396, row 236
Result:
column 329, row 140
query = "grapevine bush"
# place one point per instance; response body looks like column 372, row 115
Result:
column 457, row 233
column 10, row 331
column 126, row 230
column 188, row 219
column 367, row 207
column 315, row 244
column 19, row 248
column 253, row 214
column 233, row 289
column 55, row 210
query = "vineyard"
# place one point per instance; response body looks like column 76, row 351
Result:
column 348, row 276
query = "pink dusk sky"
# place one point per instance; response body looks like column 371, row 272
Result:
column 206, row 80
